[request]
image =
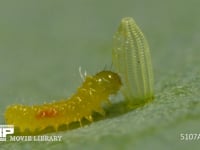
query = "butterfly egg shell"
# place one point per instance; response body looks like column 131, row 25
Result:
column 132, row 60
column 88, row 98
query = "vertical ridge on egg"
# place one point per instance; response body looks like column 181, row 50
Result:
column 132, row 60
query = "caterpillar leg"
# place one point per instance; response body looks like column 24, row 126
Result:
column 80, row 123
column 89, row 118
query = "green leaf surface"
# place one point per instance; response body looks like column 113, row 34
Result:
column 43, row 43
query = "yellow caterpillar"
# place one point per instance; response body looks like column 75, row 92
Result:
column 94, row 91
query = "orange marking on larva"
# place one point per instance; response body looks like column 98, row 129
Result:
column 46, row 113
column 89, row 97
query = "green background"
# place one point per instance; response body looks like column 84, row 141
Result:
column 43, row 43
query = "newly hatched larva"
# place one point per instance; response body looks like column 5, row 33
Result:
column 132, row 60
column 94, row 91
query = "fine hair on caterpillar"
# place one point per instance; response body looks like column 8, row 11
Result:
column 89, row 97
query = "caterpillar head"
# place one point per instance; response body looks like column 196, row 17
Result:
column 108, row 81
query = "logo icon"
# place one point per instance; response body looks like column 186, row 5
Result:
column 5, row 130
